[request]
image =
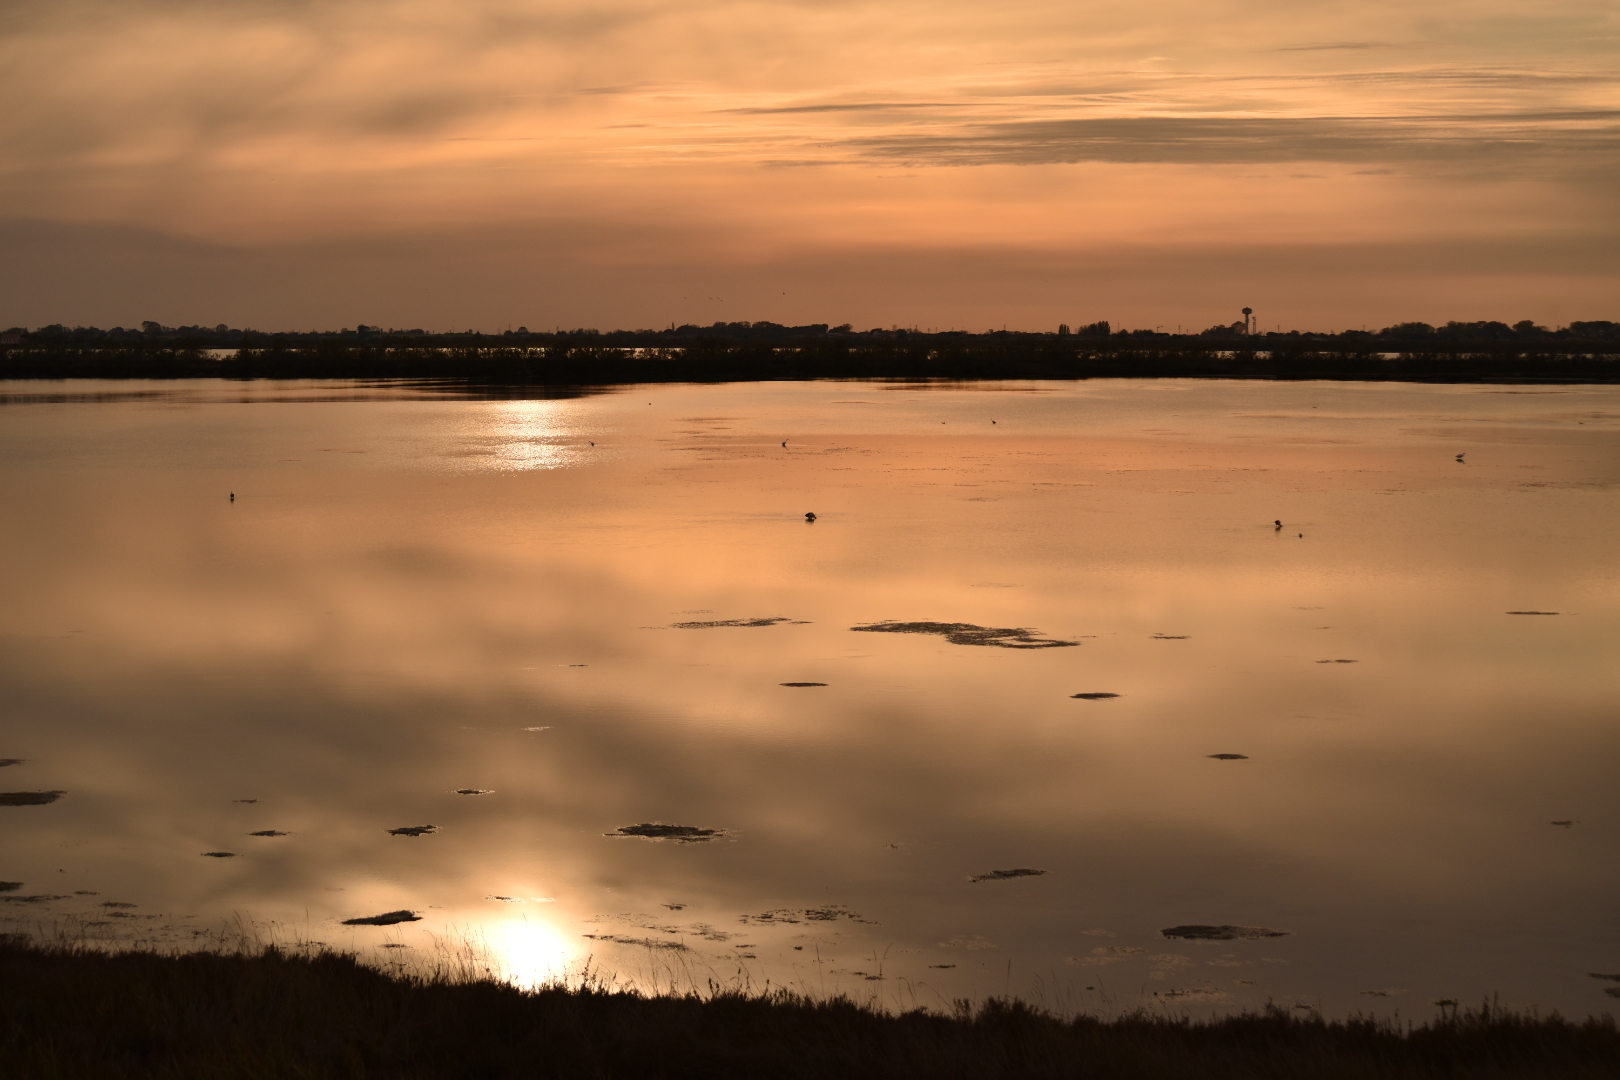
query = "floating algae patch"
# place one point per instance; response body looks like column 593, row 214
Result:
column 387, row 918
column 1198, row 932
column 474, row 791
column 10, row 886
column 803, row 684
column 657, row 830
column 414, row 830
column 714, row 623
column 825, row 913
column 38, row 898
column 269, row 832
column 29, row 798
column 1230, row 757
column 1004, row 637
column 645, row 943
column 1169, row 637
column 219, row 854
column 1094, row 696
column 117, row 904
column 1201, row 993
column 652, row 922
column 1003, row 875
column 4, row 761
column 1533, row 613
column 1107, row 954
column 1337, row 661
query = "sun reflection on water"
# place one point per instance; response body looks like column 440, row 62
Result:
column 529, row 952
column 517, row 436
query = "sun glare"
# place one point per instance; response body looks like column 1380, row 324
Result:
column 529, row 952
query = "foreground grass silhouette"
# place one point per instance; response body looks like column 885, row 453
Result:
column 73, row 1013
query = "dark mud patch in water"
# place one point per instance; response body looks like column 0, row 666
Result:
column 1093, row 696
column 474, row 791
column 38, row 898
column 1338, row 661
column 1534, row 613
column 681, row 834
column 1002, row 637
column 414, row 830
column 10, row 886
column 4, row 761
column 1564, row 824
column 269, row 832
column 1169, row 637
column 1230, row 757
column 826, row 913
column 387, row 918
column 715, row 623
column 1198, row 932
column 802, row 684
column 245, row 800
column 1004, row 875
column 29, row 798
column 219, row 854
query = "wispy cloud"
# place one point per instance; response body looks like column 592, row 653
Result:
column 1541, row 141
column 1347, row 46
column 863, row 106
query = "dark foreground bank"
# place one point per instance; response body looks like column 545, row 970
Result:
column 82, row 1014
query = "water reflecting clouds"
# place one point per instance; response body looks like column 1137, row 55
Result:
column 414, row 598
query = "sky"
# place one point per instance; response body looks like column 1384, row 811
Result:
column 486, row 164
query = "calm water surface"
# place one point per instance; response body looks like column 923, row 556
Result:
column 414, row 594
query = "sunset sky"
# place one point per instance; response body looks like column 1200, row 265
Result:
column 303, row 164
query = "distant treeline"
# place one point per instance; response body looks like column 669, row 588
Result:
column 725, row 352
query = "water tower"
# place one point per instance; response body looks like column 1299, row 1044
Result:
column 1248, row 320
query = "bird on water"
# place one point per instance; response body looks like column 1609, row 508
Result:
column 810, row 516
column 1278, row 524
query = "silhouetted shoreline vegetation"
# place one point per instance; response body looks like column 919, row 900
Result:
column 744, row 352
column 71, row 1013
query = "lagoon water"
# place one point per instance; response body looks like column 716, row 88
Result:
column 417, row 593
